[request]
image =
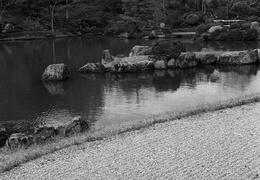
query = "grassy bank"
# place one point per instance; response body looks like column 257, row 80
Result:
column 10, row 159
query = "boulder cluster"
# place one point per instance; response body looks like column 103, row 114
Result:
column 167, row 54
column 41, row 133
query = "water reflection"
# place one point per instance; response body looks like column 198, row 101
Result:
column 105, row 99
column 55, row 88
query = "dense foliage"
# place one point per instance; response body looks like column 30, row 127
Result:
column 116, row 16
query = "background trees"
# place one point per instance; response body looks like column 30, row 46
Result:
column 90, row 14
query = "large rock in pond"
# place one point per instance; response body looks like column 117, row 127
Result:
column 238, row 57
column 107, row 57
column 145, row 65
column 160, row 64
column 172, row 63
column 56, row 72
column 172, row 49
column 140, row 50
column 92, row 68
column 206, row 58
column 187, row 60
column 124, row 67
column 108, row 61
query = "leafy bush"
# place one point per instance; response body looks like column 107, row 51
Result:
column 253, row 18
column 241, row 9
column 205, row 37
column 192, row 19
column 254, row 12
column 245, row 26
column 215, row 34
column 170, row 48
column 200, row 15
column 222, row 37
column 208, row 21
column 232, row 15
column 235, row 26
column 235, row 35
column 222, row 13
column 251, row 35
column 202, row 28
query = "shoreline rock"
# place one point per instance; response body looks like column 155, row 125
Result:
column 168, row 55
column 44, row 133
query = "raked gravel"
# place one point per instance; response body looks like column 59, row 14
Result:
column 217, row 145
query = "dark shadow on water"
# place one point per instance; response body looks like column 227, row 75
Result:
column 55, row 88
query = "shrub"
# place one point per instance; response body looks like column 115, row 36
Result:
column 208, row 21
column 200, row 15
column 254, row 12
column 232, row 15
column 215, row 34
column 166, row 31
column 222, row 37
column 241, row 9
column 192, row 19
column 205, row 37
column 245, row 26
column 170, row 48
column 253, row 18
column 251, row 35
column 235, row 26
column 235, row 35
column 222, row 13
column 202, row 28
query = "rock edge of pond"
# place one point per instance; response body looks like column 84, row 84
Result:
column 41, row 133
column 139, row 61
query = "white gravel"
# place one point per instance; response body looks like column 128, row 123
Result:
column 217, row 145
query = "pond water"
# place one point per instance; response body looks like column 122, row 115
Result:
column 107, row 99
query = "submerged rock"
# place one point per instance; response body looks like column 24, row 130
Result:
column 56, row 72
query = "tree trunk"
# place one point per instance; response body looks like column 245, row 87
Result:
column 52, row 22
column 67, row 10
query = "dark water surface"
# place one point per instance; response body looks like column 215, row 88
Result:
column 107, row 99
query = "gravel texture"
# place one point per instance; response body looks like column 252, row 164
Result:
column 217, row 145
